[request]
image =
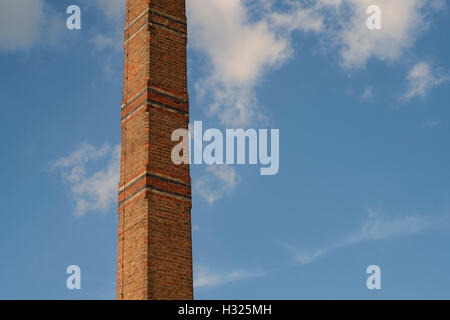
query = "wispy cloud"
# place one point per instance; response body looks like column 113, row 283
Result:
column 367, row 93
column 107, row 48
column 421, row 79
column 107, row 41
column 114, row 16
column 439, row 5
column 26, row 23
column 95, row 190
column 203, row 277
column 218, row 181
column 113, row 10
column 432, row 123
column 107, row 36
column 377, row 227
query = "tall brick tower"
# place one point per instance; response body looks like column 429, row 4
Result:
column 155, row 247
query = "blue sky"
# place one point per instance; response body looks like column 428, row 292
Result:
column 364, row 126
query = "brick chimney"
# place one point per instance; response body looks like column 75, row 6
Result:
column 155, row 246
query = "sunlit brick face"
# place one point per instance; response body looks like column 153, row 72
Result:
column 155, row 247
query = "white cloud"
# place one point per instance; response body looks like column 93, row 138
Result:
column 25, row 23
column 96, row 191
column 421, row 79
column 297, row 18
column 219, row 181
column 377, row 227
column 401, row 23
column 203, row 277
column 237, row 48
column 240, row 51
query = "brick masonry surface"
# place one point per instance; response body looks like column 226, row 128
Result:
column 155, row 246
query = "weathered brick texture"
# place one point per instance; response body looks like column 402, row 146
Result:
column 155, row 247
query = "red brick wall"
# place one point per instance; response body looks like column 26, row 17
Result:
column 155, row 247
